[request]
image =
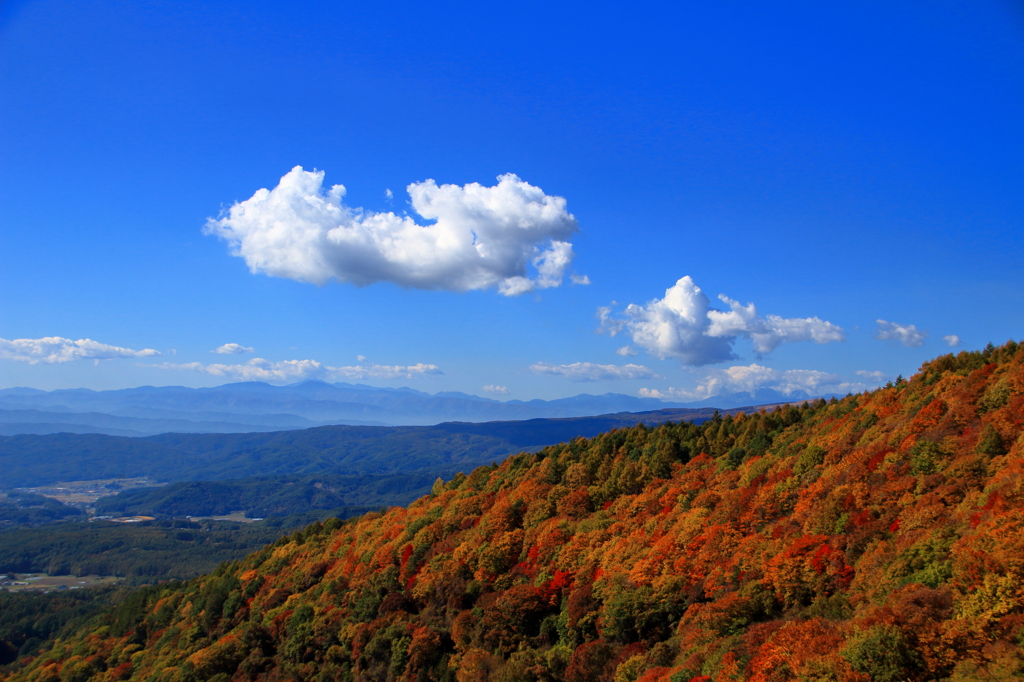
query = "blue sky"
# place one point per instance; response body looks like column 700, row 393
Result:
column 834, row 164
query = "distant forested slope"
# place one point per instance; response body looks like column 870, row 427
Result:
column 27, row 509
column 146, row 552
column 878, row 537
column 442, row 450
column 268, row 495
column 36, row 460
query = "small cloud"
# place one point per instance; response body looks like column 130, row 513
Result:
column 232, row 349
column 952, row 340
column 683, row 325
column 496, row 390
column 284, row 371
column 667, row 394
column 389, row 195
column 579, row 279
column 908, row 335
column 57, row 350
column 626, row 351
column 361, row 358
column 875, row 376
column 588, row 371
column 511, row 237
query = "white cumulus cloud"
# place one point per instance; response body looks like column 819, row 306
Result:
column 683, row 325
column 588, row 371
column 873, row 376
column 952, row 340
column 750, row 378
column 496, row 390
column 481, row 237
column 907, row 334
column 232, row 349
column 285, row 371
column 626, row 351
column 57, row 349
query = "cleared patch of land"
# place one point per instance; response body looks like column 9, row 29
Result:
column 40, row 582
column 85, row 493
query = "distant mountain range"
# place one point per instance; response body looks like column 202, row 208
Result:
column 249, row 407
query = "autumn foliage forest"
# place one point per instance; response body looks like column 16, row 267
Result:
column 876, row 537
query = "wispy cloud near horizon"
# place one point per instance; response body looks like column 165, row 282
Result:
column 58, row 350
column 754, row 377
column 588, row 371
column 284, row 371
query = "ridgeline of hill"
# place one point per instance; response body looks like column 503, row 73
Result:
column 441, row 450
column 878, row 537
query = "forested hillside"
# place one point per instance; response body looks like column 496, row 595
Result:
column 878, row 537
column 28, row 620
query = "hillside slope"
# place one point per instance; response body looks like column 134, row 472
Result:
column 880, row 537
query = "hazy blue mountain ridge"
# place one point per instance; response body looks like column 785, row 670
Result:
column 441, row 450
column 254, row 406
column 36, row 421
